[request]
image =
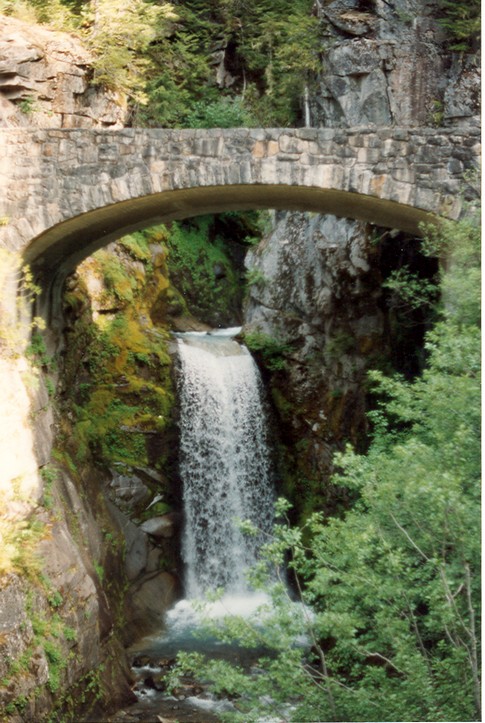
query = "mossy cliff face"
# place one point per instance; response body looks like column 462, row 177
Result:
column 118, row 414
column 206, row 267
column 117, row 368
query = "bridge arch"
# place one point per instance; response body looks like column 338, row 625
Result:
column 60, row 248
column 65, row 193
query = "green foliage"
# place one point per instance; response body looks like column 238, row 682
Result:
column 221, row 113
column 18, row 543
column 37, row 351
column 410, row 290
column 18, row 291
column 255, row 277
column 55, row 599
column 27, row 105
column 162, row 56
column 53, row 12
column 462, row 20
column 16, row 706
column 99, row 569
column 196, row 250
column 273, row 53
column 120, row 32
column 280, row 46
column 69, row 634
column 48, row 477
column 159, row 508
column 56, row 662
column 437, row 114
column 391, row 587
column 104, row 425
column 340, row 343
column 272, row 351
column 181, row 74
column 48, row 473
column 93, row 683
column 49, row 632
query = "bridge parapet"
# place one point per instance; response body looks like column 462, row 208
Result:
column 63, row 192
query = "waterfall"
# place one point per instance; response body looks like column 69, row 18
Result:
column 225, row 462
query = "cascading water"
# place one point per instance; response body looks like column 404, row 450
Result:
column 225, row 462
column 226, row 474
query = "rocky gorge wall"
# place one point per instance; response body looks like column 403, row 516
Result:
column 92, row 501
column 45, row 81
column 318, row 294
column 68, row 551
column 391, row 64
column 320, row 278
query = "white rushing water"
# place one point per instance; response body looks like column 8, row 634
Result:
column 225, row 463
column 226, row 474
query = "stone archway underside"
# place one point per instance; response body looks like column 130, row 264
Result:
column 65, row 245
column 64, row 193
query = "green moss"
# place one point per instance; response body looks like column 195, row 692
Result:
column 99, row 569
column 202, row 270
column 118, row 278
column 284, row 407
column 158, row 509
column 16, row 706
column 340, row 344
column 125, row 394
column 137, row 245
column 19, row 546
column 270, row 350
column 37, row 352
column 49, row 632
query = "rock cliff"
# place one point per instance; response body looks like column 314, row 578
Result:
column 45, row 81
column 389, row 64
column 61, row 572
column 320, row 278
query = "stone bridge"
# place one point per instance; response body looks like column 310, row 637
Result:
column 65, row 193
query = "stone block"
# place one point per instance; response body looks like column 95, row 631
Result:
column 259, row 150
column 159, row 527
column 150, row 599
column 368, row 155
column 406, row 175
column 108, row 152
column 292, row 144
column 325, row 134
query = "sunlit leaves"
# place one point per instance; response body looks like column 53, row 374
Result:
column 120, row 31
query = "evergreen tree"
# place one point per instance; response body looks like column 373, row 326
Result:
column 120, row 32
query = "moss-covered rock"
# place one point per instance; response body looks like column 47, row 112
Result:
column 117, row 377
column 206, row 268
